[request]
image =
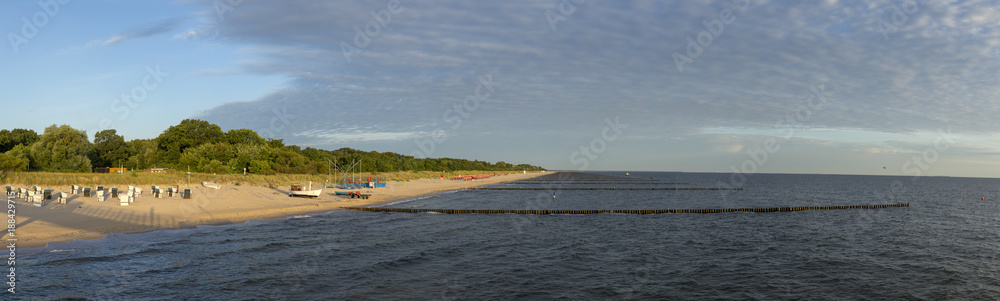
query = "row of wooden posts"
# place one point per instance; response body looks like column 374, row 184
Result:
column 604, row 188
column 640, row 211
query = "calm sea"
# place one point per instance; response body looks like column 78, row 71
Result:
column 946, row 245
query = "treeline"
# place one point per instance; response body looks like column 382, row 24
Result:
column 203, row 147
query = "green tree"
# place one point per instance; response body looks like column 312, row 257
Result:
column 23, row 153
column 10, row 139
column 12, row 163
column 62, row 149
column 242, row 136
column 189, row 133
column 110, row 148
column 260, row 167
column 245, row 154
column 142, row 153
column 208, row 157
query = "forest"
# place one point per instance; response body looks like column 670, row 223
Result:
column 204, row 147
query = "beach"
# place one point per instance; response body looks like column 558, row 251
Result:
column 87, row 218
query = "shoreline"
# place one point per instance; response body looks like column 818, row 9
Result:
column 86, row 218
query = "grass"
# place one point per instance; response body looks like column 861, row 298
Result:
column 179, row 178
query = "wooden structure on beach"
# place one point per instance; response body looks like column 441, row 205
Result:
column 640, row 211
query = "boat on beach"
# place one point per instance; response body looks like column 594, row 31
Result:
column 211, row 185
column 299, row 190
column 342, row 193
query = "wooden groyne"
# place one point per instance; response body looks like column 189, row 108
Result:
column 591, row 183
column 641, row 211
column 605, row 188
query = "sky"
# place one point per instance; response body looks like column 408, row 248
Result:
column 840, row 87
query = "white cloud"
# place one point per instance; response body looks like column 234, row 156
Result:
column 615, row 59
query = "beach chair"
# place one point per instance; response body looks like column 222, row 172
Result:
column 86, row 192
column 8, row 190
column 171, row 191
column 123, row 200
column 100, row 195
column 187, row 194
column 35, row 198
column 114, row 192
column 138, row 191
column 62, row 197
column 47, row 193
column 72, row 189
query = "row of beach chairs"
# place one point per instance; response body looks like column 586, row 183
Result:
column 36, row 195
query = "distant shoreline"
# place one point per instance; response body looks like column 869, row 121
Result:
column 86, row 218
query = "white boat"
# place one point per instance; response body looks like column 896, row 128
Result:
column 301, row 191
column 211, row 185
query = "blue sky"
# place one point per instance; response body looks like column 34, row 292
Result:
column 818, row 86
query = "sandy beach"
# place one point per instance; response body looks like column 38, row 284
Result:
column 87, row 218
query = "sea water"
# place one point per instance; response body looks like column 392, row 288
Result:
column 944, row 246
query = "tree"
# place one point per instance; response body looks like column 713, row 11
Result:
column 242, row 136
column 12, row 163
column 189, row 133
column 110, row 148
column 22, row 153
column 143, row 153
column 62, row 149
column 10, row 139
column 208, row 157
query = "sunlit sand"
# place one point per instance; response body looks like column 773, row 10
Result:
column 87, row 218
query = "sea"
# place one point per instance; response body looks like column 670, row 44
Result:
column 945, row 245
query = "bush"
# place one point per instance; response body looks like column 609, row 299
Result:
column 260, row 166
column 12, row 163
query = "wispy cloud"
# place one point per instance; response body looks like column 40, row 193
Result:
column 615, row 58
column 143, row 31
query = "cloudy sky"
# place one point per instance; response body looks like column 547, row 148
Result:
column 848, row 87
